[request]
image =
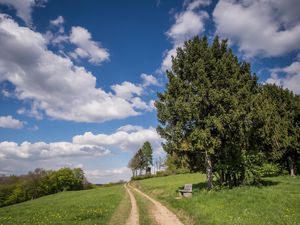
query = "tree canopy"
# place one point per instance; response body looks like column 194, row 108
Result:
column 215, row 116
column 142, row 159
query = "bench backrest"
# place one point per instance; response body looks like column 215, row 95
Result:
column 188, row 187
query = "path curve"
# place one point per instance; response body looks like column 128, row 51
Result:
column 134, row 214
column 162, row 215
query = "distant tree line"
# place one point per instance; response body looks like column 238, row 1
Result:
column 40, row 182
column 142, row 160
column 218, row 119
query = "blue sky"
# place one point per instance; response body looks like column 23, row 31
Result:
column 78, row 78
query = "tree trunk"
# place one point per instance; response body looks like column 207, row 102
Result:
column 209, row 172
column 292, row 166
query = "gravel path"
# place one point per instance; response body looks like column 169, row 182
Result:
column 162, row 215
column 134, row 214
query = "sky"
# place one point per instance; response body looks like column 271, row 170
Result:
column 78, row 79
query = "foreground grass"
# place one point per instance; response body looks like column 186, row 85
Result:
column 122, row 212
column 278, row 202
column 94, row 206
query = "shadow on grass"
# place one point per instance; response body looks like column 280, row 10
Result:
column 202, row 186
column 265, row 183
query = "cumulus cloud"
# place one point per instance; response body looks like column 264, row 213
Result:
column 10, row 122
column 138, row 103
column 52, row 83
column 110, row 175
column 126, row 138
column 86, row 47
column 85, row 150
column 126, row 90
column 42, row 150
column 291, row 78
column 148, row 80
column 131, row 92
column 188, row 23
column 259, row 27
column 24, row 8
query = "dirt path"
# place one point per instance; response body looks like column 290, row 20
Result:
column 134, row 214
column 162, row 215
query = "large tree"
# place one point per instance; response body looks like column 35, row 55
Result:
column 205, row 110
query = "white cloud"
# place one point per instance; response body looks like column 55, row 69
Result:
column 291, row 80
column 111, row 175
column 138, row 103
column 58, row 21
column 10, row 122
column 194, row 4
column 130, row 91
column 126, row 138
column 259, row 27
column 23, row 8
column 148, row 80
column 129, row 127
column 188, row 23
column 52, row 83
column 42, row 150
column 84, row 150
column 126, row 90
column 87, row 48
column 167, row 61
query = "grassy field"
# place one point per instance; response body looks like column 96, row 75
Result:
column 277, row 202
column 94, row 206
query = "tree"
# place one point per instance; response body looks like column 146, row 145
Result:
column 142, row 159
column 205, row 111
column 147, row 155
column 281, row 130
column 134, row 164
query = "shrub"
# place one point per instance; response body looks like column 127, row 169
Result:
column 269, row 170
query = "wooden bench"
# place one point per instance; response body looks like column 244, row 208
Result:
column 187, row 191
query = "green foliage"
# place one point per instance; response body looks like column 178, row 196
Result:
column 15, row 189
column 88, row 207
column 204, row 112
column 270, row 170
column 142, row 159
column 216, row 117
column 274, row 202
column 281, row 131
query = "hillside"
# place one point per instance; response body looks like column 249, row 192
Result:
column 276, row 202
column 94, row 206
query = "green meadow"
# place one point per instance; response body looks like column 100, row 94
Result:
column 95, row 206
column 277, row 201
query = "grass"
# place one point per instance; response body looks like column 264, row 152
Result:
column 122, row 212
column 277, row 202
column 94, row 206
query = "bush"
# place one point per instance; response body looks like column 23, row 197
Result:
column 159, row 174
column 269, row 170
